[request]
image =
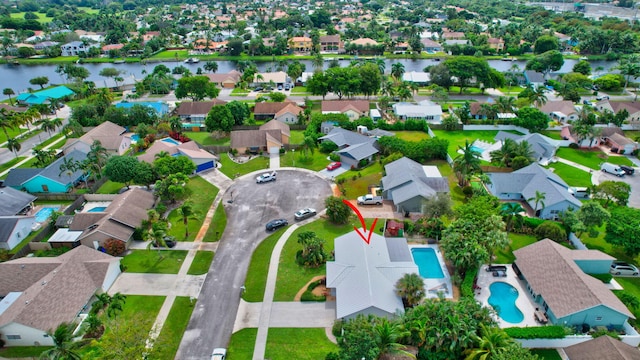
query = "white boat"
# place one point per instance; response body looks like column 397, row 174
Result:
column 192, row 61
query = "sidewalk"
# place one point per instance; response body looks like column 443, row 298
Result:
column 29, row 157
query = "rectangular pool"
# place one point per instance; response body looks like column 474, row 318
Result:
column 427, row 262
column 170, row 141
column 44, row 214
column 98, row 209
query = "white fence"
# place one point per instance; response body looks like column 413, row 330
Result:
column 496, row 127
column 631, row 338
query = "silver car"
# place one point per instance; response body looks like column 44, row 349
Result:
column 304, row 213
column 622, row 268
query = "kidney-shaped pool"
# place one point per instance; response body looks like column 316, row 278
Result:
column 503, row 299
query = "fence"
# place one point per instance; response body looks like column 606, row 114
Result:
column 496, row 127
column 575, row 241
column 99, row 197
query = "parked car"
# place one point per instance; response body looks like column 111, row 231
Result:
column 623, row 268
column 304, row 213
column 369, row 200
column 276, row 224
column 287, row 86
column 334, row 165
column 279, row 87
column 266, row 177
column 602, row 97
column 169, row 243
column 612, row 169
column 627, row 169
column 219, row 354
column 259, row 88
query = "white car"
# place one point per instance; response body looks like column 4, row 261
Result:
column 304, row 213
column 266, row 177
column 219, row 354
column 623, row 268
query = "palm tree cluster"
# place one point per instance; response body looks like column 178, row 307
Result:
column 313, row 253
column 91, row 166
column 466, row 164
column 513, row 154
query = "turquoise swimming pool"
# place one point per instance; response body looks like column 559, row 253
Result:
column 97, row 209
column 44, row 214
column 428, row 264
column 503, row 300
column 170, row 141
column 476, row 149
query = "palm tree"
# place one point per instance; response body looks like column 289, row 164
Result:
column 211, row 66
column 14, row 146
column 8, row 92
column 492, row 342
column 629, row 67
column 63, row 346
column 538, row 96
column 47, row 125
column 317, row 62
column 98, row 154
column 538, row 199
column 68, row 166
column 161, row 154
column 116, row 304
column 187, row 212
column 176, row 124
column 505, row 104
column 387, row 335
column 102, row 300
column 410, row 288
column 505, row 154
column 92, row 325
column 6, row 121
column 466, row 164
column 397, row 70
column 510, row 211
column 381, row 66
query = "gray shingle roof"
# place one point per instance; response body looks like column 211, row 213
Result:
column 359, row 151
column 7, row 224
column 17, row 176
column 407, row 179
column 12, row 201
column 53, row 170
column 542, row 146
column 342, row 137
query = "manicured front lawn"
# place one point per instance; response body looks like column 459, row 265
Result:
column 357, row 182
column 412, row 135
column 571, row 175
column 457, row 138
column 154, row 261
column 110, row 187
column 256, row 280
column 286, row 344
column 171, row 54
column 297, row 137
column 591, row 158
column 201, row 263
column 552, row 134
column 23, row 351
column 316, row 161
column 204, row 138
column 11, row 163
column 546, row 354
column 217, row 225
column 516, row 241
column 242, row 344
column 202, row 195
column 167, row 343
column 231, row 168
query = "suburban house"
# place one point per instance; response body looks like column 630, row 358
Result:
column 49, row 179
column 418, row 77
column 270, row 137
column 534, row 78
column 194, row 113
column 289, row 114
column 460, row 42
column 632, row 107
column 267, row 110
column 45, row 96
column 203, row 159
column 44, row 45
column 331, row 44
column 602, row 347
column 429, row 45
column 16, row 220
column 522, row 185
column 118, row 221
column 300, row 44
column 568, row 133
column 274, row 78
column 557, row 279
column 8, row 108
column 614, row 138
column 40, row 293
column 544, row 148
column 352, row 147
column 111, row 48
column 453, row 35
column 364, row 42
column 560, row 110
column 409, row 183
column 225, row 81
column 424, row 110
column 496, row 43
column 75, row 48
column 363, row 276
column 354, row 109
column 110, row 135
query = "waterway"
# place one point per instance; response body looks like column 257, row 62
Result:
column 17, row 77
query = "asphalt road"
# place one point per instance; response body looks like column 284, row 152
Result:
column 211, row 323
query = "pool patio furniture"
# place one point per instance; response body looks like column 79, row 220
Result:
column 500, row 273
column 540, row 317
column 496, row 268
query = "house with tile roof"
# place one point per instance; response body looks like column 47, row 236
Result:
column 352, row 146
column 558, row 281
column 544, row 148
column 194, row 113
column 49, row 179
column 363, row 276
column 522, row 185
column 300, row 44
column 331, row 44
column 203, row 159
column 408, row 183
column 39, row 293
column 602, row 347
column 354, row 109
column 111, row 136
column 289, row 114
column 269, row 137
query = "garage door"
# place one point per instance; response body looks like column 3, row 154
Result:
column 204, row 166
column 274, row 150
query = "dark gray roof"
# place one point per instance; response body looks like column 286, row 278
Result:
column 542, row 146
column 53, row 170
column 17, row 176
column 398, row 249
column 360, row 151
column 7, row 224
column 380, row 132
column 407, row 179
column 64, row 221
column 12, row 201
column 344, row 137
column 534, row 76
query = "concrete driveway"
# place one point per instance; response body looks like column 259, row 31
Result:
column 333, row 173
column 632, row 180
column 212, row 321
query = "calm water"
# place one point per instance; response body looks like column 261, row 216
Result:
column 17, row 77
column 427, row 262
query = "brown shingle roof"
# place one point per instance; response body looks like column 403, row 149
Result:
column 361, row 106
column 564, row 106
column 329, row 38
column 292, row 108
column 109, row 134
column 197, row 107
column 269, row 108
column 551, row 271
column 233, row 75
column 602, row 348
column 276, row 125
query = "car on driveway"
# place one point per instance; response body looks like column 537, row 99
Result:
column 304, row 213
column 266, row 177
column 623, row 268
column 603, row 97
column 627, row 169
column 276, row 224
column 334, row 165
column 219, row 354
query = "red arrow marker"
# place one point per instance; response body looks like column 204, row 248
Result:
column 366, row 238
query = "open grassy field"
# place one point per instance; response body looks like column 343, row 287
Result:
column 591, row 158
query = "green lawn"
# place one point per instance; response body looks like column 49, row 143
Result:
column 42, row 18
column 516, row 241
column 171, row 55
column 291, row 276
column 110, row 187
column 286, row 344
column 256, row 280
column 217, row 225
column 242, row 344
column 358, row 181
column 571, row 175
column 154, row 261
column 631, row 286
column 457, row 138
column 316, row 161
column 202, row 195
column 297, row 137
column 167, row 343
column 52, row 139
column 552, row 134
column 591, row 158
column 29, row 164
column 239, row 92
column 231, row 169
column 511, row 90
column 598, row 243
column 299, row 90
column 204, row 138
column 201, row 263
column 455, row 90
column 445, row 169
column 412, row 135
column 11, row 163
column 22, row 351
column 546, row 354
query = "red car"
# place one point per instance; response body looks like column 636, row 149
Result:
column 333, row 166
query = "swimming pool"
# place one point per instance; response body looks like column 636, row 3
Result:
column 97, row 209
column 476, row 149
column 503, row 299
column 135, row 138
column 427, row 262
column 170, row 141
column 45, row 213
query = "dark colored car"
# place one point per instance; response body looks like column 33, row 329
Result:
column 276, row 224
column 170, row 244
column 259, row 88
column 627, row 169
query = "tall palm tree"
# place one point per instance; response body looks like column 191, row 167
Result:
column 397, row 70
column 538, row 199
column 538, row 96
column 47, row 125
column 510, row 211
column 63, row 346
column 317, row 62
column 8, row 92
column 14, row 146
column 176, row 124
column 98, row 154
column 68, row 166
column 6, row 121
column 410, row 288
column 387, row 336
column 505, row 104
column 466, row 164
column 187, row 212
column 116, row 304
column 161, row 154
column 492, row 341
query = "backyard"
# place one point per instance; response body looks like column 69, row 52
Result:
column 154, row 261
column 357, row 182
column 204, row 138
column 458, row 138
column 232, row 168
column 412, row 135
column 516, row 241
column 202, row 193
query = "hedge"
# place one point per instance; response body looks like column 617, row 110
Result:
column 308, row 294
column 466, row 288
column 538, row 332
column 605, row 278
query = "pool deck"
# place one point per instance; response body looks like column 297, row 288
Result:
column 523, row 302
column 434, row 286
column 93, row 204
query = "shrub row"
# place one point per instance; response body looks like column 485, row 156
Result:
column 466, row 288
column 605, row 278
column 538, row 332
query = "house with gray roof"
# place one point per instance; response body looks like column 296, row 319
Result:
column 39, row 293
column 14, row 202
column 522, row 184
column 363, row 276
column 49, row 179
column 602, row 347
column 16, row 221
column 558, row 281
column 424, row 110
column 543, row 147
column 352, row 146
column 409, row 183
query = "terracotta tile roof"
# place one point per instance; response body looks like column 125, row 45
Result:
column 197, row 107
column 600, row 348
column 364, row 42
column 551, row 271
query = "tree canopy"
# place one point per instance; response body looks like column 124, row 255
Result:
column 196, row 87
